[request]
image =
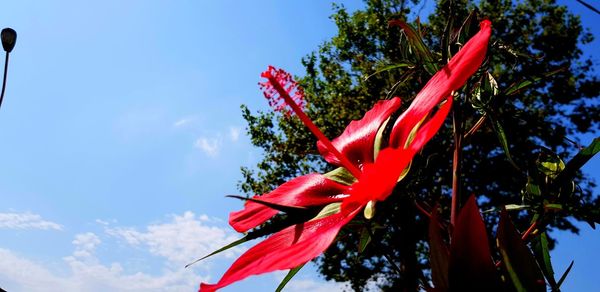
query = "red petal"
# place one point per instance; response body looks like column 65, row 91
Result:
column 427, row 131
column 356, row 142
column 379, row 178
column 286, row 249
column 307, row 190
column 450, row 78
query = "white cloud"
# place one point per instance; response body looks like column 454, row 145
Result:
column 177, row 241
column 183, row 122
column 26, row 221
column 20, row 274
column 301, row 284
column 85, row 244
column 181, row 240
column 234, row 133
column 102, row 222
column 210, row 146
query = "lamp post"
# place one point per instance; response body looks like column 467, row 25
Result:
column 9, row 38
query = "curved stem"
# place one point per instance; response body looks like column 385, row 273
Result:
column 476, row 127
column 457, row 125
column 527, row 233
column 4, row 78
column 422, row 210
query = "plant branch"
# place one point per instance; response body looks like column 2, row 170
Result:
column 457, row 126
column 476, row 126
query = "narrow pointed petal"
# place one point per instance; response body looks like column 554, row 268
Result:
column 304, row 191
column 356, row 142
column 427, row 131
column 450, row 78
column 286, row 249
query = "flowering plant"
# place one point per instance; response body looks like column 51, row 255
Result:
column 372, row 155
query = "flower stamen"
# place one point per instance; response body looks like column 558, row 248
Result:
column 280, row 89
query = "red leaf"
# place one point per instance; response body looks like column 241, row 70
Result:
column 438, row 253
column 471, row 265
column 517, row 256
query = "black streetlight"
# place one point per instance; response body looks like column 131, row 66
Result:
column 9, row 38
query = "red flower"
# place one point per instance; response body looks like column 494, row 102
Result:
column 354, row 150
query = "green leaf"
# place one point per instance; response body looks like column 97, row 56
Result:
column 377, row 145
column 542, row 255
column 288, row 277
column 513, row 275
column 484, row 92
column 388, row 68
column 416, row 42
column 564, row 276
column 233, row 244
column 553, row 207
column 503, row 140
column 270, row 229
column 577, row 162
column 550, row 164
column 278, row 207
column 517, row 258
column 329, row 210
column 438, row 254
column 553, row 168
column 516, row 53
column 515, row 207
column 294, row 217
column 379, row 141
column 365, row 239
column 400, row 81
column 341, row 175
column 468, row 28
column 518, row 86
column 533, row 188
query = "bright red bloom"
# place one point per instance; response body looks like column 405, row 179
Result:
column 375, row 178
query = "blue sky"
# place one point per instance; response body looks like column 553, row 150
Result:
column 121, row 133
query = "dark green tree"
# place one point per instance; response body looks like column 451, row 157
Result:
column 534, row 94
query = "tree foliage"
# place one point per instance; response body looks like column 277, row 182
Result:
column 532, row 96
